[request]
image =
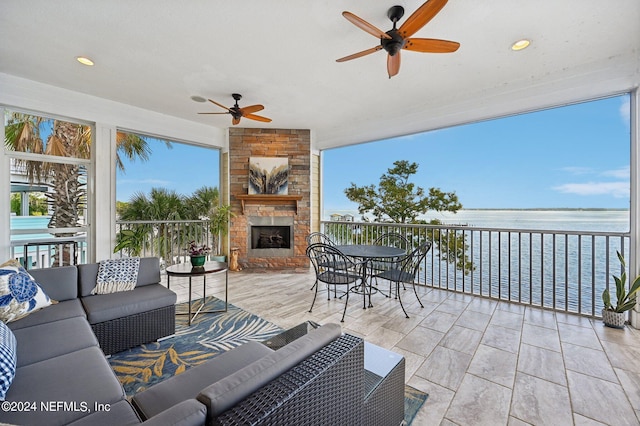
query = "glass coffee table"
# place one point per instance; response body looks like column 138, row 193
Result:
column 288, row 336
column 186, row 270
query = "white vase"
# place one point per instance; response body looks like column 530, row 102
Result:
column 614, row 319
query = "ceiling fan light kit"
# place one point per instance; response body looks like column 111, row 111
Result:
column 397, row 39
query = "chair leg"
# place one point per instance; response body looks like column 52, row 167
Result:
column 400, row 299
column 315, row 295
column 346, row 302
column 416, row 293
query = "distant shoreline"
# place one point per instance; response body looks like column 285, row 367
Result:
column 583, row 209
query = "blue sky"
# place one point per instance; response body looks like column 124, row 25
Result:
column 569, row 157
column 183, row 169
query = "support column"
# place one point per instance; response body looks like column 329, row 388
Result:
column 103, row 192
column 634, row 207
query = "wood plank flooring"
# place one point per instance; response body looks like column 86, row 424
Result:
column 482, row 362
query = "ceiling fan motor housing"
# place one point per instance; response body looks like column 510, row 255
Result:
column 394, row 44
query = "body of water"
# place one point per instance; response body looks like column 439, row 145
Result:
column 559, row 220
column 547, row 258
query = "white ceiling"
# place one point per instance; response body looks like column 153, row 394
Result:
column 156, row 54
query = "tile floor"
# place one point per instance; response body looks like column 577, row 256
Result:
column 482, row 362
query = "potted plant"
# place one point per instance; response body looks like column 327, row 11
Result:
column 197, row 253
column 219, row 227
column 615, row 316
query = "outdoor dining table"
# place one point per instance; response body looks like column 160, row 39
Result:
column 368, row 253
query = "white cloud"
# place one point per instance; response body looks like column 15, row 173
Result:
column 615, row 189
column 621, row 173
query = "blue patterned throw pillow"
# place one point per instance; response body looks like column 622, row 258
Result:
column 116, row 275
column 7, row 359
column 20, row 294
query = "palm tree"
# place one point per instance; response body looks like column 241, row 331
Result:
column 71, row 140
column 161, row 205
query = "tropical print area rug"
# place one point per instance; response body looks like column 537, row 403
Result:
column 208, row 336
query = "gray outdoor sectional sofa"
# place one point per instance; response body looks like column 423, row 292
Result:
column 63, row 377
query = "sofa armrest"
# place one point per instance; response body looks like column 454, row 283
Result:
column 227, row 392
column 325, row 388
column 187, row 413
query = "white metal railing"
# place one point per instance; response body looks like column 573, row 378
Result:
column 45, row 252
column 560, row 270
column 164, row 239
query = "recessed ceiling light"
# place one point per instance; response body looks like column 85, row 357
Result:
column 520, row 44
column 84, row 61
column 198, row 99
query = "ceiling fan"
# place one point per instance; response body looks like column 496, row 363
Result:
column 237, row 113
column 399, row 38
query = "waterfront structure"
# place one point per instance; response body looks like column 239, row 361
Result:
column 146, row 78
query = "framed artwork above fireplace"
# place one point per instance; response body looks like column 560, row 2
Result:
column 269, row 175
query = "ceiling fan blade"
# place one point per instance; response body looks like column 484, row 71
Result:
column 359, row 54
column 220, row 105
column 235, row 121
column 257, row 118
column 431, row 45
column 251, row 109
column 364, row 25
column 393, row 64
column 213, row 113
column 420, row 17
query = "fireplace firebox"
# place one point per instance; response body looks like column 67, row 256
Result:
column 264, row 237
column 270, row 236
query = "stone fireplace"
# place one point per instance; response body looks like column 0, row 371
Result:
column 270, row 230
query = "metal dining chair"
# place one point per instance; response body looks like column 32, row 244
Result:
column 334, row 268
column 391, row 239
column 405, row 270
column 315, row 238
column 319, row 237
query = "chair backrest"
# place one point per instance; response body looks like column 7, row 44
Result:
column 331, row 265
column 392, row 239
column 412, row 261
column 319, row 237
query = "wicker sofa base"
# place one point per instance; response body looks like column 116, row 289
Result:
column 325, row 389
column 384, row 397
column 124, row 333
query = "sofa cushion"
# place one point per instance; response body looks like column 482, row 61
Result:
column 163, row 395
column 59, row 311
column 121, row 413
column 53, row 339
column 81, row 378
column 8, row 352
column 106, row 307
column 116, row 275
column 60, row 283
column 20, row 294
column 187, row 413
column 225, row 393
column 148, row 273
